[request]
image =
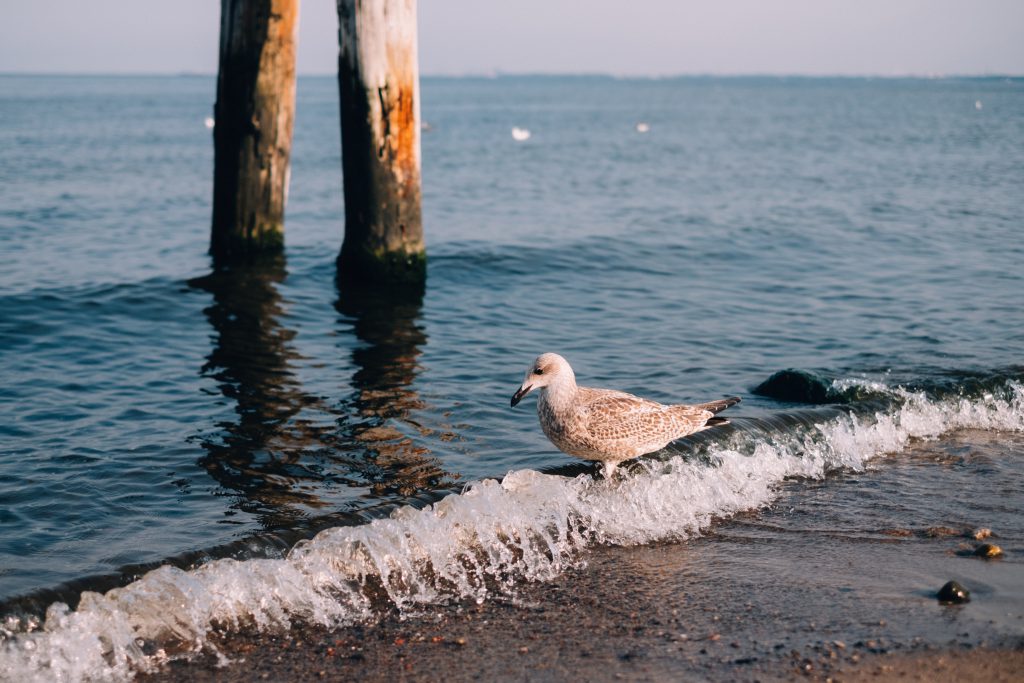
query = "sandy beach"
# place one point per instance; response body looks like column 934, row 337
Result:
column 646, row 614
column 810, row 588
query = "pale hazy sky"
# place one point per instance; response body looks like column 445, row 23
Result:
column 624, row 37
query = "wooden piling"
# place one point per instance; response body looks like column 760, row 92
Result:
column 253, row 119
column 378, row 77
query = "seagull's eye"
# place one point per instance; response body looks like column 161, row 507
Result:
column 538, row 371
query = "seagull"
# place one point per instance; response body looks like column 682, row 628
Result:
column 607, row 425
column 520, row 134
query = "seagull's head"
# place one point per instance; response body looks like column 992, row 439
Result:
column 548, row 369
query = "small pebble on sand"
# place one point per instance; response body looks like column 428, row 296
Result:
column 988, row 550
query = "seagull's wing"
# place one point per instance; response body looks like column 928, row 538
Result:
column 632, row 425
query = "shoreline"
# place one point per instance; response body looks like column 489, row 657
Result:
column 824, row 584
column 602, row 623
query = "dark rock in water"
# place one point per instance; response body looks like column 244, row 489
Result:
column 796, row 386
column 988, row 550
column 801, row 386
column 954, row 593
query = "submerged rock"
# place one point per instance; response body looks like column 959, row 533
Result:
column 796, row 386
column 954, row 593
column 988, row 550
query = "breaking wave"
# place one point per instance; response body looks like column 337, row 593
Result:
column 491, row 537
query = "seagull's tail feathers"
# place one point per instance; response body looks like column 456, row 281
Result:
column 718, row 406
column 715, row 407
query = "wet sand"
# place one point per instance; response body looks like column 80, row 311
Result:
column 836, row 581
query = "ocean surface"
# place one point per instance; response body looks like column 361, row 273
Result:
column 844, row 254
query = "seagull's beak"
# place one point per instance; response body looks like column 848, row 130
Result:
column 523, row 391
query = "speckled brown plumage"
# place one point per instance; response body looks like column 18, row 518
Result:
column 606, row 425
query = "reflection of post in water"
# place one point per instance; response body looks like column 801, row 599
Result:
column 257, row 456
column 387, row 320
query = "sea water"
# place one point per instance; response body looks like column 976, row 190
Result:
column 284, row 448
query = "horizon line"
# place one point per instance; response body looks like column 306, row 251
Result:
column 497, row 74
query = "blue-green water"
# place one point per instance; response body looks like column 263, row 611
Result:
column 854, row 228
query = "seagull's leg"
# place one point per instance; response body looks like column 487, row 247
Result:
column 609, row 469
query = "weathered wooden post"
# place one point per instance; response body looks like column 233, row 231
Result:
column 378, row 77
column 252, row 135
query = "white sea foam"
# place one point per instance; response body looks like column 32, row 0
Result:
column 483, row 542
column 844, row 384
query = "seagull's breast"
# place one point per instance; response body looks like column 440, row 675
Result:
column 565, row 428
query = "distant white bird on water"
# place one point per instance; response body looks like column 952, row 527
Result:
column 607, row 425
column 642, row 127
column 520, row 134
column 209, row 122
column 977, row 104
